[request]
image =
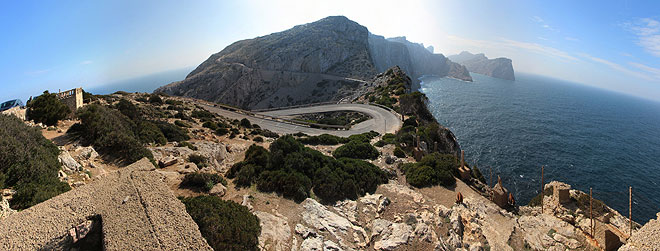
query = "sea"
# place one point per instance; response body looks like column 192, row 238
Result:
column 582, row 135
column 147, row 83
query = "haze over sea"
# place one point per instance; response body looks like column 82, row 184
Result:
column 584, row 136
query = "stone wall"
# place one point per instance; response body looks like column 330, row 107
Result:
column 72, row 98
column 16, row 111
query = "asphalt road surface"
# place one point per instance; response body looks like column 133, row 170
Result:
column 382, row 120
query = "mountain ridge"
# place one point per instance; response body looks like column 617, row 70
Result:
column 327, row 60
column 498, row 67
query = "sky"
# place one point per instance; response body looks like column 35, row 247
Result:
column 51, row 45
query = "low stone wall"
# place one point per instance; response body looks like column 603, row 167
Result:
column 16, row 111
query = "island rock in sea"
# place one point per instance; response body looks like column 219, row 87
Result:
column 479, row 63
column 331, row 59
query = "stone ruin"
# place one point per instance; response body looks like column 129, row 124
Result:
column 500, row 195
column 72, row 98
column 463, row 170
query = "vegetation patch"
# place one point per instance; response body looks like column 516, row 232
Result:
column 225, row 225
column 28, row 164
column 356, row 149
column 47, row 109
column 111, row 133
column 294, row 171
column 201, row 181
column 434, row 169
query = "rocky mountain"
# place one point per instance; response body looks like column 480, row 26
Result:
column 327, row 60
column 479, row 63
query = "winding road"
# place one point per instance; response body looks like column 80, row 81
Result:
column 382, row 120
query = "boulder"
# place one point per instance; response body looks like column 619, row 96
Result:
column 246, row 202
column 304, row 231
column 187, row 168
column 218, row 190
column 167, row 161
column 69, row 164
column 312, row 244
column 320, row 218
column 86, row 153
column 275, row 232
column 391, row 234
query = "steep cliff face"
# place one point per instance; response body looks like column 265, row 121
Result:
column 479, row 63
column 415, row 60
column 327, row 60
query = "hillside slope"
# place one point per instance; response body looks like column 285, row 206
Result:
column 327, row 60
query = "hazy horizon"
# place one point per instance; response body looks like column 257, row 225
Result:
column 61, row 45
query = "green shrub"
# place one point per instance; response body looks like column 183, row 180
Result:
column 188, row 144
column 199, row 160
column 47, row 109
column 201, row 181
column 155, row 99
column 173, row 102
column 433, row 169
column 210, row 125
column 203, row 114
column 291, row 170
column 323, row 139
column 225, row 225
column 28, row 163
column 379, row 143
column 399, row 153
column 128, row 109
column 173, row 132
column 389, row 138
column 258, row 139
column 150, row 133
column 180, row 123
column 222, row 131
column 357, row 150
column 110, row 132
column 246, row 123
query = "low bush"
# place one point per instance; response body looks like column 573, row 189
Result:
column 399, row 153
column 148, row 132
column 47, row 109
column 28, row 164
column 380, row 143
column 389, row 138
column 210, row 125
column 246, row 123
column 433, row 169
column 201, row 181
column 357, row 150
column 188, row 144
column 173, row 132
column 225, row 225
column 258, row 139
column 292, row 170
column 155, row 99
column 203, row 114
column 110, row 132
column 180, row 123
column 323, row 139
column 199, row 160
column 221, row 131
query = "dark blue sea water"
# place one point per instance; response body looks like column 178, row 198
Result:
column 147, row 83
column 584, row 136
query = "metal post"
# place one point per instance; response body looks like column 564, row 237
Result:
column 591, row 213
column 542, row 188
column 630, row 208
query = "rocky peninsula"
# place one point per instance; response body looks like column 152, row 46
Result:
column 498, row 67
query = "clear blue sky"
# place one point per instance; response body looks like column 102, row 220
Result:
column 64, row 44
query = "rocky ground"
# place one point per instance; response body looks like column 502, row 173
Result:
column 396, row 217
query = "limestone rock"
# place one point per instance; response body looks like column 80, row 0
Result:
column 391, row 234
column 312, row 244
column 187, row 168
column 87, row 153
column 69, row 164
column 319, row 217
column 275, row 232
column 304, row 231
column 218, row 190
column 246, row 202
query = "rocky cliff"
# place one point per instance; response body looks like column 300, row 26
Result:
column 479, row 63
column 327, row 60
